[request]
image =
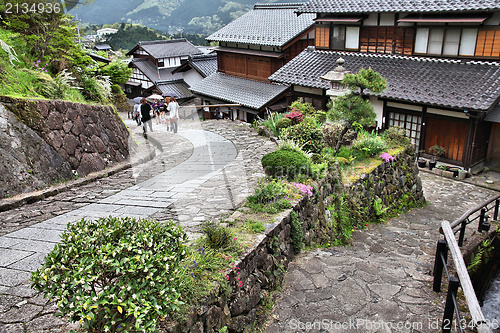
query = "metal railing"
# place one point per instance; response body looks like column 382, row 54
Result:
column 479, row 214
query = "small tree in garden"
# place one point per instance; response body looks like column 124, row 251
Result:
column 115, row 274
column 355, row 106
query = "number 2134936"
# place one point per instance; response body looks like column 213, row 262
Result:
column 33, row 8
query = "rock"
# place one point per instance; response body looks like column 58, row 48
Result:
column 90, row 163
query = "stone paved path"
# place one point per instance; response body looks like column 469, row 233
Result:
column 382, row 282
column 197, row 175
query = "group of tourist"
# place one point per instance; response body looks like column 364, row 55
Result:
column 166, row 113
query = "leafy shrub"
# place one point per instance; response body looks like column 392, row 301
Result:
column 217, row 236
column 396, row 137
column 267, row 192
column 285, row 163
column 345, row 152
column 283, row 123
column 304, row 108
column 368, row 145
column 295, row 117
column 331, row 133
column 292, row 146
column 306, row 135
column 271, row 121
column 114, row 274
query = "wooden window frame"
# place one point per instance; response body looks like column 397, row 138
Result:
column 493, row 43
column 445, row 29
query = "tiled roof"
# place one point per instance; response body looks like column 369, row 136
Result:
column 204, row 64
column 266, row 24
column 252, row 94
column 151, row 71
column 179, row 87
column 457, row 84
column 395, row 6
column 167, row 48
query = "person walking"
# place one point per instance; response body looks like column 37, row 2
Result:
column 173, row 108
column 165, row 108
column 146, row 116
column 137, row 114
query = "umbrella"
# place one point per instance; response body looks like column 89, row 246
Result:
column 137, row 100
column 155, row 96
column 169, row 94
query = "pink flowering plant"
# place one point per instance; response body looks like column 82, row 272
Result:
column 305, row 190
column 295, row 116
column 386, row 157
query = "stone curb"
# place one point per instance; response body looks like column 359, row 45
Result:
column 27, row 198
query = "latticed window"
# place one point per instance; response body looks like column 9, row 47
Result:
column 488, row 43
column 323, row 36
column 411, row 123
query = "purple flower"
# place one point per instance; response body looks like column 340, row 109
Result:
column 386, row 157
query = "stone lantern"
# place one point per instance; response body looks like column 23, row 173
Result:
column 335, row 77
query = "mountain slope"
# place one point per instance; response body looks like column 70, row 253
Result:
column 192, row 16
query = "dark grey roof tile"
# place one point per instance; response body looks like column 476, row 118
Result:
column 394, row 6
column 179, row 87
column 266, row 24
column 251, row 94
column 457, row 84
column 169, row 48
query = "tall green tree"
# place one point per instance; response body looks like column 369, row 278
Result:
column 118, row 72
column 355, row 106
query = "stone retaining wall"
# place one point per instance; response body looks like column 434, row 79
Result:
column 262, row 267
column 88, row 137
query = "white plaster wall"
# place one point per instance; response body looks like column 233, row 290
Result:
column 378, row 107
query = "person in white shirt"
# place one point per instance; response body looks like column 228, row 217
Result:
column 173, row 108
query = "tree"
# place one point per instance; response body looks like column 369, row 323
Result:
column 355, row 107
column 48, row 34
column 118, row 72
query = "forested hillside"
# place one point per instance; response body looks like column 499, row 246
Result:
column 189, row 16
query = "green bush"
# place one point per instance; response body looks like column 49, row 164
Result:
column 368, row 145
column 114, row 274
column 285, row 163
column 396, row 137
column 217, row 236
column 331, row 133
column 283, row 123
column 271, row 121
column 268, row 191
column 305, row 134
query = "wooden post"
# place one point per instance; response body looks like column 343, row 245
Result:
column 481, row 220
column 497, row 203
column 449, row 307
column 441, row 251
column 462, row 233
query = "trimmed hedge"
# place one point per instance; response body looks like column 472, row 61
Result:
column 286, row 163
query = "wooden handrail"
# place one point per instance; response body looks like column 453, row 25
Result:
column 463, row 274
column 472, row 211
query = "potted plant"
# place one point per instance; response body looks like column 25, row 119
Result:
column 421, row 160
column 436, row 151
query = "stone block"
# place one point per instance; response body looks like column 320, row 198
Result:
column 437, row 171
column 462, row 174
column 447, row 174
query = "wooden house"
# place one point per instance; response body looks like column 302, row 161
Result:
column 154, row 62
column 440, row 60
column 250, row 49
